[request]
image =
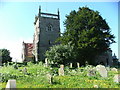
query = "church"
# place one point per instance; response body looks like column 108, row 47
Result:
column 47, row 30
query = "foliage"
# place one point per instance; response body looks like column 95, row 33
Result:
column 5, row 55
column 61, row 54
column 88, row 33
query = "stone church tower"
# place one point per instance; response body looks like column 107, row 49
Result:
column 47, row 30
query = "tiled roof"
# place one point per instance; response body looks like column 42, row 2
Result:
column 28, row 49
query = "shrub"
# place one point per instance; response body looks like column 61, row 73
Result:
column 61, row 54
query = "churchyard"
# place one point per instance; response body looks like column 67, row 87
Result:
column 44, row 76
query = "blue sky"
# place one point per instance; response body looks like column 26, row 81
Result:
column 17, row 18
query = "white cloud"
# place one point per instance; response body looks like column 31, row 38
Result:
column 14, row 46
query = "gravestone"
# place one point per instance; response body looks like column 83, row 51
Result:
column 25, row 70
column 52, row 62
column 46, row 62
column 11, row 84
column 78, row 64
column 116, row 78
column 114, row 70
column 61, row 70
column 91, row 72
column 74, row 72
column 49, row 78
column 20, row 70
column 102, row 70
column 70, row 65
column 95, row 86
column 108, row 68
column 15, row 66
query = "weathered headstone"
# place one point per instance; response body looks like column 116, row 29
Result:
column 91, row 72
column 49, row 78
column 61, row 70
column 70, row 65
column 116, row 78
column 102, row 70
column 114, row 70
column 78, row 64
column 11, row 84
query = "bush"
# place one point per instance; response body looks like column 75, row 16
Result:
column 60, row 54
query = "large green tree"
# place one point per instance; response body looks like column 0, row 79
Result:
column 88, row 33
column 5, row 56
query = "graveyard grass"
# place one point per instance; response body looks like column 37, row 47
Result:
column 35, row 77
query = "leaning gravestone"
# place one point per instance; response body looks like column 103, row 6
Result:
column 61, row 70
column 116, row 78
column 102, row 70
column 11, row 84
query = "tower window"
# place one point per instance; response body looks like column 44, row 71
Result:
column 49, row 28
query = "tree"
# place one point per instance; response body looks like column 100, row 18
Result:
column 61, row 54
column 5, row 54
column 88, row 33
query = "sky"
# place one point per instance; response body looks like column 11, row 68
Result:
column 17, row 18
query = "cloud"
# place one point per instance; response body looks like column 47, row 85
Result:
column 15, row 47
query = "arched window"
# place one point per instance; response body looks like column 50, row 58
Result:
column 49, row 28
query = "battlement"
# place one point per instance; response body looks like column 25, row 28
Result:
column 46, row 15
column 49, row 15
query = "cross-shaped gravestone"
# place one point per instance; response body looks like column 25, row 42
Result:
column 61, row 70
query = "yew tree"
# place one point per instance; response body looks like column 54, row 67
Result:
column 88, row 33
